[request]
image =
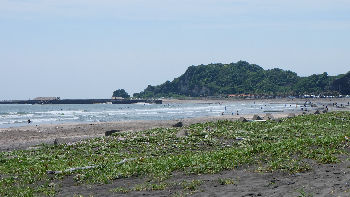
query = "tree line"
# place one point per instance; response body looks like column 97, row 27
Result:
column 244, row 78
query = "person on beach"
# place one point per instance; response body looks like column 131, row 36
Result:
column 29, row 121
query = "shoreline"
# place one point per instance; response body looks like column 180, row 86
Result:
column 29, row 136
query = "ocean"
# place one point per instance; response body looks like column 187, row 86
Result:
column 18, row 115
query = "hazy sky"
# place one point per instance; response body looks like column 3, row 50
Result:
column 89, row 48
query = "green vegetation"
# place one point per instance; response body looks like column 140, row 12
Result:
column 208, row 148
column 245, row 78
column 191, row 185
column 304, row 194
column 342, row 84
column 226, row 181
column 121, row 93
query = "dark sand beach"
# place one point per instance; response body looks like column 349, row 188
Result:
column 320, row 180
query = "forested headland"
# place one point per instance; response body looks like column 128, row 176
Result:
column 244, row 78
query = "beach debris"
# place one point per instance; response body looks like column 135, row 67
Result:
column 55, row 142
column 108, row 133
column 52, row 184
column 291, row 115
column 182, row 133
column 317, row 112
column 242, row 119
column 257, row 117
column 121, row 138
column 33, row 148
column 178, row 124
column 208, row 129
column 86, row 167
column 268, row 117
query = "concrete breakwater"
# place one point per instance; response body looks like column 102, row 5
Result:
column 82, row 101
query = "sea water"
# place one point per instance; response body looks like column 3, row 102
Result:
column 18, row 115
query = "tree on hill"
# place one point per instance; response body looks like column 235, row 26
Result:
column 244, row 78
column 121, row 93
column 342, row 84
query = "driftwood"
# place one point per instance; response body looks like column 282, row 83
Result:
column 256, row 117
column 178, row 124
column 108, row 133
column 86, row 167
column 242, row 119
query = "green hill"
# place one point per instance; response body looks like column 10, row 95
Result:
column 342, row 84
column 241, row 78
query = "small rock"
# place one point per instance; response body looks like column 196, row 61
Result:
column 256, row 117
column 108, row 133
column 178, row 124
column 59, row 141
column 242, row 119
column 268, row 117
column 317, row 112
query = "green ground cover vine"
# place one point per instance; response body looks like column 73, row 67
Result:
column 206, row 148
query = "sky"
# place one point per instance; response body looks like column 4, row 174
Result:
column 89, row 48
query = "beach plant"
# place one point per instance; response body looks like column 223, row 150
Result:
column 191, row 185
column 290, row 146
column 303, row 193
column 227, row 181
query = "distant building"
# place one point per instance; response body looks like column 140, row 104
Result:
column 114, row 97
column 232, row 95
column 47, row 98
column 241, row 96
